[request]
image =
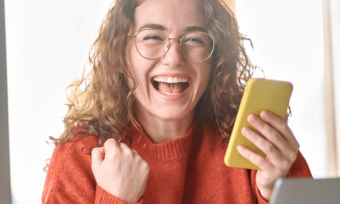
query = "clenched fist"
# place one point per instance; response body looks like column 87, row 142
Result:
column 120, row 171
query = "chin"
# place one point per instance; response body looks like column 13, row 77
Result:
column 173, row 114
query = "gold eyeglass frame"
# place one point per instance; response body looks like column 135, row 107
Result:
column 168, row 44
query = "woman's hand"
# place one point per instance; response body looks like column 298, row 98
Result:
column 120, row 171
column 279, row 144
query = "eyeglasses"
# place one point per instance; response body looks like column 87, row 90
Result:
column 153, row 44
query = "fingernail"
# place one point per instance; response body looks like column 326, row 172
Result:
column 240, row 148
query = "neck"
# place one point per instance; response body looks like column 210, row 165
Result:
column 161, row 130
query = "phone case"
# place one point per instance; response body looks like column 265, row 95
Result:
column 259, row 94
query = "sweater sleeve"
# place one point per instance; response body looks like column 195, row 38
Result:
column 69, row 177
column 298, row 169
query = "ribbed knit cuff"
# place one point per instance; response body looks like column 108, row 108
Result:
column 103, row 197
column 260, row 199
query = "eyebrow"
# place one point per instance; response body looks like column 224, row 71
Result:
column 152, row 26
column 163, row 28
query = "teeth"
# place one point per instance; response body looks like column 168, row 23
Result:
column 170, row 79
column 166, row 93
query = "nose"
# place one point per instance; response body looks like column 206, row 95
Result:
column 174, row 57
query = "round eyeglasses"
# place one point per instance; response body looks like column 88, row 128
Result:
column 195, row 46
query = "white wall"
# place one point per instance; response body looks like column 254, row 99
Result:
column 48, row 43
column 288, row 40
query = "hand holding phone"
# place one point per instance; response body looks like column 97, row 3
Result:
column 261, row 138
column 259, row 95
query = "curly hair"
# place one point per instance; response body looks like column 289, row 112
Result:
column 105, row 108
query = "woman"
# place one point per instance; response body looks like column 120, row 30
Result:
column 154, row 121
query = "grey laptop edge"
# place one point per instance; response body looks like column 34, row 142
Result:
column 309, row 191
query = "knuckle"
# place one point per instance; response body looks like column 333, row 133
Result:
column 135, row 152
column 275, row 136
column 94, row 150
column 255, row 158
column 252, row 135
column 292, row 156
column 138, row 158
column 283, row 126
column 259, row 161
column 282, row 123
column 114, row 152
column 145, row 166
column 110, row 140
column 260, row 125
column 129, row 153
column 108, row 144
column 270, row 148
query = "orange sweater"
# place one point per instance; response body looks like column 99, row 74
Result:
column 189, row 169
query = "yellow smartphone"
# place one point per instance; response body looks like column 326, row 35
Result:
column 259, row 94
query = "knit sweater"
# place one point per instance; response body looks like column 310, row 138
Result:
column 189, row 169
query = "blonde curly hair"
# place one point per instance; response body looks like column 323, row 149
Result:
column 105, row 108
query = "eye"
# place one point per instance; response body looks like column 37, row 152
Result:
column 194, row 40
column 152, row 37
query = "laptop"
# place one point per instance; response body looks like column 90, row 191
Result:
column 303, row 190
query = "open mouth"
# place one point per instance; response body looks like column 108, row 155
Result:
column 170, row 85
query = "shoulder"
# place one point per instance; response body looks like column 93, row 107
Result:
column 69, row 176
column 80, row 143
column 71, row 157
column 68, row 152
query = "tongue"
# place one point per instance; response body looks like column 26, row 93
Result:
column 170, row 88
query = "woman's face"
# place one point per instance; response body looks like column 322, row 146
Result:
column 175, row 18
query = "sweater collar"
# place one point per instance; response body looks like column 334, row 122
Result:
column 164, row 151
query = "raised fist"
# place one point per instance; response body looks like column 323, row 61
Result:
column 120, row 170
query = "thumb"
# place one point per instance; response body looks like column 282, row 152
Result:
column 98, row 155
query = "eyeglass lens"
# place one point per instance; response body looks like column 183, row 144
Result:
column 196, row 46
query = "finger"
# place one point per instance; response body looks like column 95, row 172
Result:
column 126, row 150
column 281, row 126
column 111, row 147
column 134, row 151
column 97, row 155
column 268, row 132
column 256, row 159
column 267, row 147
column 286, row 117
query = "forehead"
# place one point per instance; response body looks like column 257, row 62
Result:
column 174, row 15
